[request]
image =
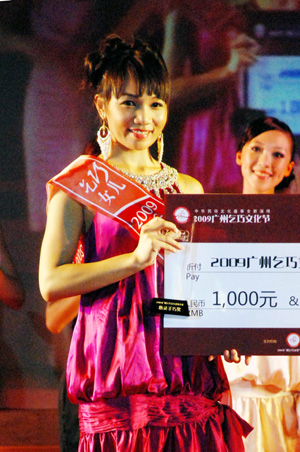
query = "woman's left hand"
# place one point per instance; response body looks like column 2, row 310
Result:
column 232, row 356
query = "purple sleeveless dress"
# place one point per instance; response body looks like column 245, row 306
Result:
column 131, row 397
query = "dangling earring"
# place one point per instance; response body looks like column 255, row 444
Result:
column 160, row 147
column 104, row 140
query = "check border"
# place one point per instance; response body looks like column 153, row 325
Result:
column 280, row 224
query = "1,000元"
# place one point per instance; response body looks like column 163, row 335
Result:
column 266, row 298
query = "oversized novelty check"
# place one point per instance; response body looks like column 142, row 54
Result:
column 239, row 272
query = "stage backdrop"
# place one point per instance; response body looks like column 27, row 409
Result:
column 45, row 122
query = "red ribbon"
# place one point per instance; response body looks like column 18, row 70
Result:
column 96, row 184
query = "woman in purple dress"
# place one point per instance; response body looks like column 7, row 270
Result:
column 206, row 51
column 131, row 397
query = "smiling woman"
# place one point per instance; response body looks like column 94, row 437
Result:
column 265, row 154
column 131, row 397
column 135, row 121
column 267, row 392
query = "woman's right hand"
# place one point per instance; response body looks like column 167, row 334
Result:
column 158, row 234
column 243, row 52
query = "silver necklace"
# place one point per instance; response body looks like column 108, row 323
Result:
column 164, row 180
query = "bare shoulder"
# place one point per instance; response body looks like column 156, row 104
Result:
column 190, row 185
column 64, row 210
column 61, row 201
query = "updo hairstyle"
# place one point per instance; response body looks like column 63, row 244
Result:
column 107, row 70
column 265, row 124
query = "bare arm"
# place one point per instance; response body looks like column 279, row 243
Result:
column 60, row 278
column 136, row 16
column 33, row 48
column 190, row 185
column 11, row 289
column 61, row 312
column 190, row 89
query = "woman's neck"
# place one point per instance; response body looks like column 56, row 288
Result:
column 248, row 190
column 136, row 162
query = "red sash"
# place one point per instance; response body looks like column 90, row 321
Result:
column 96, row 184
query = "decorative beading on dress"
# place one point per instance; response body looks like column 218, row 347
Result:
column 164, row 181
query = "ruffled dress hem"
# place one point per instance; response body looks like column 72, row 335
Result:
column 168, row 423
